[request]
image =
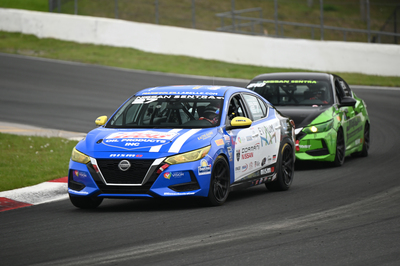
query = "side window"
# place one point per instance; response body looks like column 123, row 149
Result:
column 254, row 106
column 346, row 88
column 236, row 107
column 264, row 108
column 339, row 89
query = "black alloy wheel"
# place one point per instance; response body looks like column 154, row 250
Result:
column 219, row 183
column 340, row 149
column 364, row 152
column 285, row 169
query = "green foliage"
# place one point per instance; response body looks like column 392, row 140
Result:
column 28, row 160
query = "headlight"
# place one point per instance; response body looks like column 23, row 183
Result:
column 319, row 128
column 188, row 156
column 79, row 157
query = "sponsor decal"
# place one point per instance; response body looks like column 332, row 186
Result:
column 247, row 155
column 251, row 148
column 205, row 136
column 237, row 168
column 251, row 166
column 270, row 136
column 256, row 163
column 249, row 138
column 227, row 138
column 178, row 174
column 219, row 142
column 142, row 136
column 238, row 155
column 274, row 158
column 267, row 170
column 178, row 193
column 305, row 146
column 245, row 167
column 230, row 153
column 204, row 168
column 125, row 155
column 269, row 159
column 358, row 141
column 167, row 175
column 264, row 160
column 79, row 174
column 354, row 122
column 291, row 81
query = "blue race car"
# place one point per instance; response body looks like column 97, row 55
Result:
column 183, row 141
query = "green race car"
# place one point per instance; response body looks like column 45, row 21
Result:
column 331, row 121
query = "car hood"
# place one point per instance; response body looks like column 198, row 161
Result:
column 144, row 143
column 303, row 115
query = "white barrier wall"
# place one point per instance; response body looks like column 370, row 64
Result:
column 330, row 56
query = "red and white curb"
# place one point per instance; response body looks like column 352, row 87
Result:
column 42, row 193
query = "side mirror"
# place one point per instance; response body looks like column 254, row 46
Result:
column 101, row 120
column 240, row 122
column 347, row 101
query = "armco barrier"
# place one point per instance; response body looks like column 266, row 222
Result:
column 330, row 56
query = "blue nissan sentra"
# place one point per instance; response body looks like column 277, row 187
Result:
column 183, row 141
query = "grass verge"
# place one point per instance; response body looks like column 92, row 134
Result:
column 29, row 160
column 17, row 43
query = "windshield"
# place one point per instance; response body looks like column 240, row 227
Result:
column 167, row 111
column 294, row 92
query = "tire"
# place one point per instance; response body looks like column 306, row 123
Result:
column 364, row 152
column 85, row 202
column 219, row 182
column 340, row 149
column 285, row 167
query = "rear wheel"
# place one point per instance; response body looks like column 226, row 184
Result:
column 340, row 149
column 285, row 169
column 85, row 202
column 364, row 152
column 219, row 184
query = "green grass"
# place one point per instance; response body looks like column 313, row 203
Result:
column 26, row 161
column 34, row 5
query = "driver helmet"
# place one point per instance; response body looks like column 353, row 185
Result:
column 212, row 114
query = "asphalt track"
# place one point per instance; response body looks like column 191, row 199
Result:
column 330, row 216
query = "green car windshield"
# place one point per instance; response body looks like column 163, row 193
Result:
column 294, row 92
column 164, row 111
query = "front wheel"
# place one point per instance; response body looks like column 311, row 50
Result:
column 85, row 202
column 285, row 170
column 219, row 183
column 340, row 149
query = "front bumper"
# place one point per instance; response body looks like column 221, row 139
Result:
column 316, row 146
column 187, row 179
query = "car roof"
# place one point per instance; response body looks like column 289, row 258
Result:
column 209, row 90
column 295, row 75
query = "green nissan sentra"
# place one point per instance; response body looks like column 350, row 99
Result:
column 331, row 121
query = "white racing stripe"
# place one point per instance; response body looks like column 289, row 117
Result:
column 158, row 147
column 177, row 145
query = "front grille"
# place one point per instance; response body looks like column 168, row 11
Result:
column 133, row 176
